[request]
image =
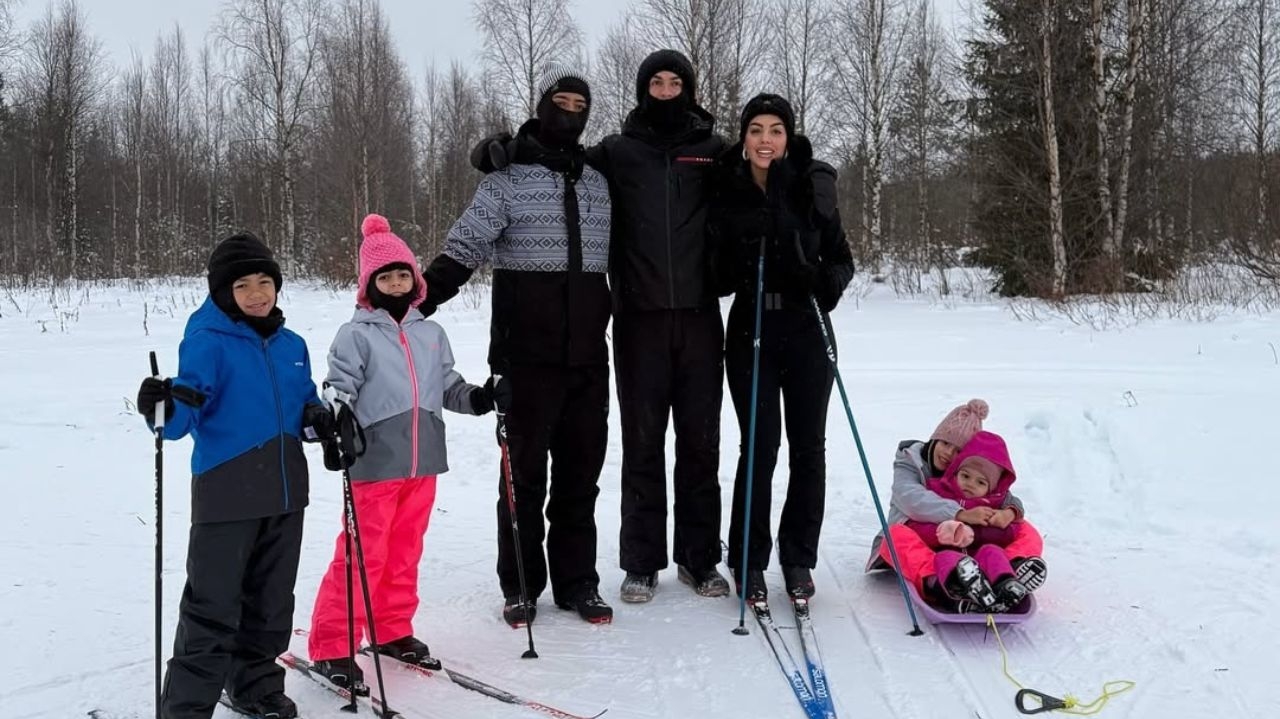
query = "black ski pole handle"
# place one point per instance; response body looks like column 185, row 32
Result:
column 160, row 406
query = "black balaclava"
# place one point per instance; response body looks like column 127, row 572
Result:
column 397, row 307
column 666, row 114
column 560, row 129
column 235, row 257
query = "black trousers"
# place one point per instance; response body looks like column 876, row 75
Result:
column 669, row 364
column 236, row 614
column 794, row 389
column 559, row 413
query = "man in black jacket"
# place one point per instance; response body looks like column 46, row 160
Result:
column 668, row 335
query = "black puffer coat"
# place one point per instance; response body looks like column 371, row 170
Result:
column 798, row 220
column 660, row 186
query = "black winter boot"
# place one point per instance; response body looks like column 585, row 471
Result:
column 638, row 588
column 1031, row 571
column 342, row 672
column 410, row 650
column 518, row 613
column 1010, row 592
column 705, row 582
column 966, row 582
column 799, row 582
column 757, row 590
column 590, row 607
column 272, row 706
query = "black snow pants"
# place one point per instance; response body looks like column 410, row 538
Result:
column 670, row 364
column 236, row 613
column 795, row 387
column 559, row 413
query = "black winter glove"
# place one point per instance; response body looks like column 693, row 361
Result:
column 318, row 424
column 804, row 279
column 346, row 444
column 481, row 401
column 499, row 390
column 152, row 392
column 493, row 153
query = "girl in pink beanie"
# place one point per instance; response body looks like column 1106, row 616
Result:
column 394, row 368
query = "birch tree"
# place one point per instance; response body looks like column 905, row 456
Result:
column 520, row 38
column 273, row 46
column 797, row 55
column 1049, row 134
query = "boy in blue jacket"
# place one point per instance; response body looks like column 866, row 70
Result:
column 244, row 393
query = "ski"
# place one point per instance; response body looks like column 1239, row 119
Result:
column 813, row 657
column 786, row 662
column 303, row 667
column 465, row 681
column 488, row 690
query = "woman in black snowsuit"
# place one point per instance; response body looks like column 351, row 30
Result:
column 770, row 190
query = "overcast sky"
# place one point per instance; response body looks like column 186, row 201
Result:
column 424, row 30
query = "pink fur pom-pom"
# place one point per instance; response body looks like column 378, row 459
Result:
column 374, row 225
column 977, row 406
column 955, row 533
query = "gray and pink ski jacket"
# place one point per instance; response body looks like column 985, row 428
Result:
column 401, row 378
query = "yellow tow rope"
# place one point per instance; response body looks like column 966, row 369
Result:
column 1046, row 703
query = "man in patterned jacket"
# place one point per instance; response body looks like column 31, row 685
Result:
column 543, row 222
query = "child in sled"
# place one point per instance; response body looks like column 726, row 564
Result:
column 916, row 463
column 394, row 368
column 970, row 564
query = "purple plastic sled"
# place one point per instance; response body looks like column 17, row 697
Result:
column 935, row 615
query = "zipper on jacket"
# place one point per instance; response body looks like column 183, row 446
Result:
column 671, row 279
column 413, row 382
column 275, row 389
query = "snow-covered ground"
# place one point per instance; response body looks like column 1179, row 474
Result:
column 1147, row 457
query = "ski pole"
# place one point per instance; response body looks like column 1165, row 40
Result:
column 347, row 433
column 159, row 427
column 509, row 483
column 743, row 583
column 351, row 602
column 866, row 467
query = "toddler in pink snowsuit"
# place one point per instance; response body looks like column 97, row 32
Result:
column 395, row 368
column 971, row 563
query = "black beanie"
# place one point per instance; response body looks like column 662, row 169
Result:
column 767, row 104
column 241, row 255
column 669, row 61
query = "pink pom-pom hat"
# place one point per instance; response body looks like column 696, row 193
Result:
column 381, row 247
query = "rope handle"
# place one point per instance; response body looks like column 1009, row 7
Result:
column 1047, row 703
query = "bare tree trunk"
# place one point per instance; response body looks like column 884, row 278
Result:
column 1049, row 130
column 1137, row 10
column 1097, row 20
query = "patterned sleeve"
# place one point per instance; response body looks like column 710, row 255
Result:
column 470, row 241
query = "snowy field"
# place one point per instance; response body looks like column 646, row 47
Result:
column 1146, row 456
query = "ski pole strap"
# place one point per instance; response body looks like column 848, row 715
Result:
column 1046, row 703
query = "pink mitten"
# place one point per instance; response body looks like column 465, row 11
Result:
column 955, row 533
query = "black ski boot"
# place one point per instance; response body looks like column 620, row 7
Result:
column 1031, row 571
column 589, row 606
column 271, row 706
column 705, row 582
column 799, row 582
column 638, row 588
column 967, row 583
column 342, row 672
column 757, row 590
column 518, row 613
column 410, row 650
column 1010, row 592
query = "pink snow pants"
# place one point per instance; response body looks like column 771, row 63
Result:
column 393, row 516
column 918, row 559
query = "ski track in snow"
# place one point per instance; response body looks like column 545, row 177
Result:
column 1142, row 457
